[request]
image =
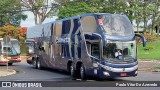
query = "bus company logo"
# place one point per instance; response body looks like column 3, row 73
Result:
column 6, row 84
column 123, row 69
column 60, row 40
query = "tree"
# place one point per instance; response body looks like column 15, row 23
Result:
column 8, row 30
column 13, row 32
column 21, row 33
column 40, row 8
column 146, row 13
column 10, row 12
column 75, row 8
column 135, row 9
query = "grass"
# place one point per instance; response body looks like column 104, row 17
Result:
column 150, row 52
column 157, row 68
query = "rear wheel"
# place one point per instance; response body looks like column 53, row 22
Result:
column 82, row 72
column 72, row 71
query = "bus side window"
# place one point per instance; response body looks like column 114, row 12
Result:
column 95, row 50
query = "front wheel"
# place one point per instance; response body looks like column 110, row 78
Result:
column 39, row 64
column 82, row 72
column 35, row 63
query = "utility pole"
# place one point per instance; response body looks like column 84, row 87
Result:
column 6, row 41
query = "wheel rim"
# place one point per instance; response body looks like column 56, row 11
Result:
column 34, row 63
column 71, row 70
column 38, row 64
column 82, row 72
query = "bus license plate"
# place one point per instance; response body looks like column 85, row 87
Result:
column 123, row 74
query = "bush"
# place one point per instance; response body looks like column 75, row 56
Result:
column 148, row 48
column 150, row 37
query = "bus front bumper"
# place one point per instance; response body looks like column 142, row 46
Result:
column 9, row 59
column 29, row 60
column 108, row 72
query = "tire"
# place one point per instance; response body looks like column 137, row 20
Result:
column 10, row 64
column 35, row 63
column 72, row 71
column 82, row 73
column 39, row 65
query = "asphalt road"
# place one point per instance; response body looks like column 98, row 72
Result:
column 26, row 72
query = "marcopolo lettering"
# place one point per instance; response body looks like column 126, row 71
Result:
column 60, row 40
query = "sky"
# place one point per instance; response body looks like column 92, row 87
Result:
column 29, row 22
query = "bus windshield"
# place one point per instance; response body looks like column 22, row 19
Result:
column 30, row 47
column 15, row 46
column 116, row 25
column 12, row 48
column 116, row 51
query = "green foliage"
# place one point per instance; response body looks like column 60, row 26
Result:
column 10, row 12
column 142, row 11
column 75, row 8
column 23, row 48
column 156, row 67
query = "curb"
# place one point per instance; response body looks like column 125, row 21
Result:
column 5, row 72
column 147, row 60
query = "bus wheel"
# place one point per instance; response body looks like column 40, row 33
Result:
column 10, row 64
column 35, row 63
column 39, row 64
column 82, row 72
column 72, row 71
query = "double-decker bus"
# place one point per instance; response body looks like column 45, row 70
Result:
column 9, row 52
column 100, row 45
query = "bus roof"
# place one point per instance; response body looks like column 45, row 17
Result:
column 36, row 31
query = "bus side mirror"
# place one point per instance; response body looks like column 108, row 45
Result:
column 41, row 49
column 142, row 38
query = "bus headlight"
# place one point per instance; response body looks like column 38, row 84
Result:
column 106, row 73
column 136, row 72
